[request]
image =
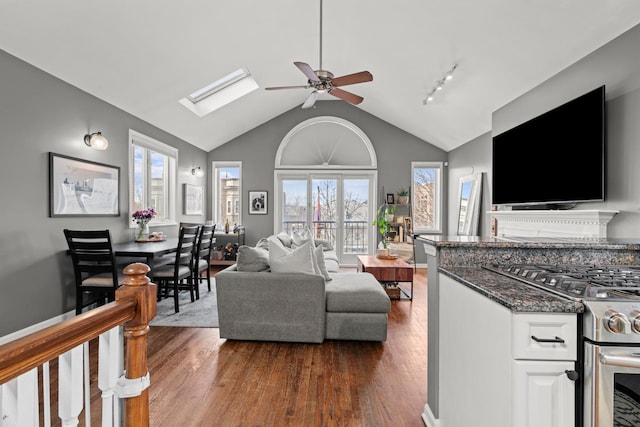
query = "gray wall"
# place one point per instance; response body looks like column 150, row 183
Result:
column 395, row 150
column 41, row 113
column 470, row 158
column 616, row 65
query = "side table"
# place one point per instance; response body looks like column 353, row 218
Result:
column 389, row 272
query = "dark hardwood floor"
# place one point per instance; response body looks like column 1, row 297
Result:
column 198, row 379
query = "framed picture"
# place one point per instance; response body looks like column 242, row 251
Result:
column 257, row 202
column 391, row 199
column 80, row 187
column 193, row 199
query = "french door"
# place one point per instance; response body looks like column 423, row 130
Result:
column 336, row 206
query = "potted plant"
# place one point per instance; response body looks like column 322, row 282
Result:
column 403, row 196
column 384, row 217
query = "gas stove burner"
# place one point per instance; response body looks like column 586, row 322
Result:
column 579, row 282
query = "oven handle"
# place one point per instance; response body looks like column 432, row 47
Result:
column 623, row 361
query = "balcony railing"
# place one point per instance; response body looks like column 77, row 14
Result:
column 355, row 233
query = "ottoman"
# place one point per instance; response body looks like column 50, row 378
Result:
column 357, row 308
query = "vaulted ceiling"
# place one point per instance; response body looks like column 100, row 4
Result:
column 144, row 55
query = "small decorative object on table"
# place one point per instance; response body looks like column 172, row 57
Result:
column 142, row 218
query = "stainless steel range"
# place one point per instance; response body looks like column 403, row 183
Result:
column 610, row 371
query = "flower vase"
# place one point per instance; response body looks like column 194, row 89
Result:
column 142, row 231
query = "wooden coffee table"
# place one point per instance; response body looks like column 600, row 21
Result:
column 389, row 272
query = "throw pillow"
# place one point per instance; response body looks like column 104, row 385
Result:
column 300, row 237
column 299, row 260
column 326, row 245
column 263, row 243
column 284, row 238
column 252, row 259
column 319, row 256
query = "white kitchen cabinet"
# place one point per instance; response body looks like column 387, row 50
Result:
column 492, row 372
column 543, row 394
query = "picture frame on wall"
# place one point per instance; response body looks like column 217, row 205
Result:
column 79, row 187
column 257, row 202
column 193, row 199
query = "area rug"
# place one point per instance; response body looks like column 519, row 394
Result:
column 203, row 313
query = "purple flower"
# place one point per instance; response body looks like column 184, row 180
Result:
column 144, row 215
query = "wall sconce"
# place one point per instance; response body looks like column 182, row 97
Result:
column 96, row 140
column 439, row 85
column 197, row 171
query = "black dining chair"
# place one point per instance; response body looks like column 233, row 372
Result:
column 202, row 260
column 94, row 267
column 178, row 275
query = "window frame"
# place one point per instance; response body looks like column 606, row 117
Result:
column 215, row 203
column 438, row 202
column 147, row 143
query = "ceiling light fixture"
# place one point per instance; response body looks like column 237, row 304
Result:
column 439, row 85
column 96, row 140
column 197, row 171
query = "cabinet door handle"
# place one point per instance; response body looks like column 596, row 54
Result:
column 556, row 339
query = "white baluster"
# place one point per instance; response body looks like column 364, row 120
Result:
column 87, row 385
column 46, row 394
column 19, row 401
column 70, row 367
column 109, row 370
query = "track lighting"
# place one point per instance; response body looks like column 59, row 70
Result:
column 197, row 171
column 96, row 140
column 439, row 85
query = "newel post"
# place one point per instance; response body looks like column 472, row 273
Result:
column 134, row 385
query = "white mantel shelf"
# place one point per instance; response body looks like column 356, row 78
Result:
column 583, row 224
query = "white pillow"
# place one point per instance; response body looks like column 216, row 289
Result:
column 322, row 267
column 300, row 237
column 299, row 260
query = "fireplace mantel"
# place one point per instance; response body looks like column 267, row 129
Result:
column 583, row 224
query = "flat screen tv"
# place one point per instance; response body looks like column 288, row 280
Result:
column 555, row 159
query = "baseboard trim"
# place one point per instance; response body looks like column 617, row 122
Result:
column 37, row 327
column 428, row 418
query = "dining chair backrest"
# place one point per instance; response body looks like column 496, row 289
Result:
column 186, row 247
column 91, row 253
column 205, row 242
column 94, row 265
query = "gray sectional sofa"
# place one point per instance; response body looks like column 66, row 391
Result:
column 257, row 303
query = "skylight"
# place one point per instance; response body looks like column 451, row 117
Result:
column 220, row 93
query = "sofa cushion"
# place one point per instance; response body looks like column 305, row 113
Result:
column 326, row 245
column 322, row 266
column 252, row 259
column 356, row 293
column 283, row 260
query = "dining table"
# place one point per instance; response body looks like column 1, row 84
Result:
column 151, row 251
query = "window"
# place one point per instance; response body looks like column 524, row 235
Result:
column 227, row 190
column 426, row 188
column 152, row 177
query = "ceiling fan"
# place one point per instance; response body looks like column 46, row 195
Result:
column 323, row 81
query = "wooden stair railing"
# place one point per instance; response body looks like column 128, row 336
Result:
column 135, row 307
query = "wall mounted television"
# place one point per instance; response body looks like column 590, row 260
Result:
column 555, row 159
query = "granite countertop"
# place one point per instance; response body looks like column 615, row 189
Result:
column 528, row 242
column 511, row 293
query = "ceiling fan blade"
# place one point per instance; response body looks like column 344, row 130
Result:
column 285, row 87
column 311, row 100
column 307, row 70
column 346, row 96
column 350, row 79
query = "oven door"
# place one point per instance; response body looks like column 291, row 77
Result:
column 611, row 386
